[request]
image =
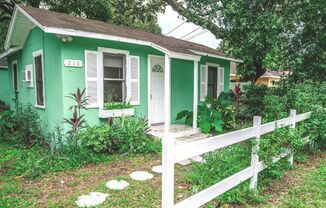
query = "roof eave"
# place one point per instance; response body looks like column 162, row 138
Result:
column 217, row 56
column 10, row 51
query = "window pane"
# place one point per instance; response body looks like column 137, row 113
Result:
column 39, row 80
column 113, row 66
column 113, row 89
column 15, row 73
column 113, row 73
column 212, row 75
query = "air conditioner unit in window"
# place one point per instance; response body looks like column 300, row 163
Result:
column 28, row 75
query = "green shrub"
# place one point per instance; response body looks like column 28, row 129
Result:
column 126, row 135
column 254, row 100
column 6, row 123
column 27, row 125
column 98, row 139
column 130, row 134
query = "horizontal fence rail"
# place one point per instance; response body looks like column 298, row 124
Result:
column 188, row 150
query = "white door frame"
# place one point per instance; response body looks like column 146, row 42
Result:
column 149, row 88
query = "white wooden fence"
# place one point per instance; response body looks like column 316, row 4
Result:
column 174, row 153
column 233, row 84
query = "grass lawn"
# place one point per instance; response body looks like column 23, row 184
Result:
column 304, row 186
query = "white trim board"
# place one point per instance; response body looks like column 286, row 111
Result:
column 35, row 54
column 217, row 56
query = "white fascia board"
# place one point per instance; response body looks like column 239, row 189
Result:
column 185, row 56
column 10, row 51
column 10, row 28
column 12, row 23
column 85, row 34
column 217, row 56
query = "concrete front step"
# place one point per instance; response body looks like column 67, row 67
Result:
column 190, row 138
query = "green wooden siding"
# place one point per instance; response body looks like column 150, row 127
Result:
column 60, row 80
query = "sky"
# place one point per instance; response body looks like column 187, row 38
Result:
column 170, row 20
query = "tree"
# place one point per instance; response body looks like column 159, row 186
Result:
column 132, row 13
column 302, row 47
column 248, row 28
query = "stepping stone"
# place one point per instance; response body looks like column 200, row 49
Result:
column 91, row 200
column 141, row 176
column 188, row 161
column 117, row 185
column 157, row 169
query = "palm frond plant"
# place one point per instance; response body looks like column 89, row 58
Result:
column 77, row 121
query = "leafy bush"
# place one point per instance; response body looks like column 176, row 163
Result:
column 213, row 115
column 126, row 135
column 131, row 136
column 57, row 141
column 98, row 139
column 273, row 144
column 27, row 125
column 6, row 123
column 254, row 100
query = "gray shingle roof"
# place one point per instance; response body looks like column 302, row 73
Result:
column 59, row 20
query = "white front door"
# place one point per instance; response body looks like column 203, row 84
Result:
column 157, row 89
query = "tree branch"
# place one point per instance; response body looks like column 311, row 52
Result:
column 219, row 32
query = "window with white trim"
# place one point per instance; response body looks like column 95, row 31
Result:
column 39, row 78
column 114, row 77
column 212, row 82
column 15, row 76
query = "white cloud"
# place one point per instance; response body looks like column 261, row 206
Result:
column 170, row 19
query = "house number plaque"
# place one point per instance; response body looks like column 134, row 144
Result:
column 73, row 63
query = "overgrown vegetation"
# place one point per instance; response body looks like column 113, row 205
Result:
column 214, row 115
column 272, row 104
column 126, row 135
column 114, row 105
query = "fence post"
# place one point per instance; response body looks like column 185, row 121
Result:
column 293, row 113
column 254, row 153
column 168, row 171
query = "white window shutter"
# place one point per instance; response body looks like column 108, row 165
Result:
column 91, row 78
column 203, row 82
column 220, row 80
column 134, row 81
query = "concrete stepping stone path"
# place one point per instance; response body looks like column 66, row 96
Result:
column 117, row 184
column 157, row 169
column 91, row 200
column 141, row 176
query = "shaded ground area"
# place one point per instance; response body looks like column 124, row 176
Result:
column 304, row 186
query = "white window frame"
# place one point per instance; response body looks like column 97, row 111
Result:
column 217, row 78
column 13, row 78
column 36, row 54
column 94, row 105
column 101, row 72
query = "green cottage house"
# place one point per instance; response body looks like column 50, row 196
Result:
column 51, row 54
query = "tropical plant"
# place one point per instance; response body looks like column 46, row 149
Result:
column 213, row 114
column 77, row 120
column 237, row 93
column 253, row 100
